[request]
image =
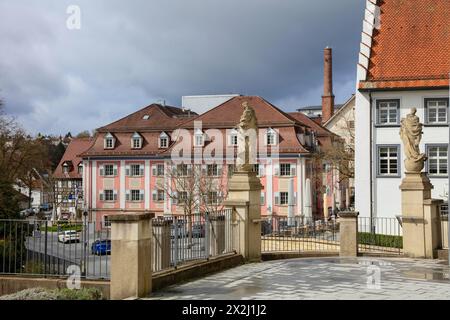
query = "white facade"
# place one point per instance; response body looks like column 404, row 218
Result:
column 378, row 195
column 201, row 104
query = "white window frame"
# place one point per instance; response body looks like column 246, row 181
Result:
column 388, row 158
column 271, row 137
column 109, row 141
column 199, row 138
column 286, row 166
column 387, row 105
column 284, row 198
column 437, row 108
column 440, row 160
column 163, row 141
column 107, row 193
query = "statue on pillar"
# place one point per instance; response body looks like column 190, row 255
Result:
column 411, row 134
column 247, row 138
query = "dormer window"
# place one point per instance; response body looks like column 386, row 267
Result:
column 65, row 167
column 136, row 141
column 199, row 138
column 271, row 137
column 233, row 139
column 163, row 140
column 109, row 141
column 146, row 117
column 80, row 168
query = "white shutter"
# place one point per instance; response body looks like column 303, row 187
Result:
column 141, row 195
column 293, row 170
column 204, row 170
column 127, row 195
column 102, row 170
column 174, row 197
column 115, row 169
column 154, row 171
column 219, row 170
column 141, row 170
column 155, row 195
column 115, row 195
column 295, row 199
column 127, row 170
column 261, row 170
column 277, row 169
column 102, row 197
column 277, row 198
column 189, row 169
column 263, row 198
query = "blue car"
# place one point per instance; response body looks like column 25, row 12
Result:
column 101, row 247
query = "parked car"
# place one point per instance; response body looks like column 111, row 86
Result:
column 101, row 247
column 69, row 236
column 27, row 212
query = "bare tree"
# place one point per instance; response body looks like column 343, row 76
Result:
column 195, row 188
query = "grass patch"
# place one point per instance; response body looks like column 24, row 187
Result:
column 381, row 240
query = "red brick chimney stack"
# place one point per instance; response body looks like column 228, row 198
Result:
column 328, row 96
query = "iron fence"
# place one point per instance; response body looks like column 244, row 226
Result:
column 39, row 247
column 285, row 234
column 182, row 239
column 379, row 235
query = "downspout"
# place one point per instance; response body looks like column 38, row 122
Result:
column 371, row 161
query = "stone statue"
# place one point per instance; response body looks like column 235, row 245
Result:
column 247, row 135
column 411, row 134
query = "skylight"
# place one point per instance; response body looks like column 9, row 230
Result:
column 146, row 117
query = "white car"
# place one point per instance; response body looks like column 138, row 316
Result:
column 69, row 236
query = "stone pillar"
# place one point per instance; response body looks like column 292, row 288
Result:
column 161, row 244
column 131, row 265
column 433, row 235
column 417, row 216
column 244, row 198
column 216, row 235
column 348, row 233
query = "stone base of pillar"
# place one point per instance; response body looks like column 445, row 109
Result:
column 131, row 255
column 348, row 234
column 244, row 198
column 420, row 217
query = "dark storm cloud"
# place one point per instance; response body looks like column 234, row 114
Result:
column 131, row 53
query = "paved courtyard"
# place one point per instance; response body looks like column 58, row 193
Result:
column 321, row 278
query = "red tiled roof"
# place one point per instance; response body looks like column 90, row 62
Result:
column 224, row 116
column 74, row 149
column 228, row 114
column 159, row 118
column 412, row 47
column 301, row 117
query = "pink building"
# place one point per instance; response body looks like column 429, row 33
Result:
column 129, row 159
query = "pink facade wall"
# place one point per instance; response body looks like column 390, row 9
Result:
column 107, row 208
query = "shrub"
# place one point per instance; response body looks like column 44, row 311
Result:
column 57, row 294
column 381, row 240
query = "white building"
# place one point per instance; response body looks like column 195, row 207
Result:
column 404, row 62
column 200, row 104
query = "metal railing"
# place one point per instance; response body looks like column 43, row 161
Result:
column 379, row 235
column 182, row 239
column 283, row 234
column 38, row 247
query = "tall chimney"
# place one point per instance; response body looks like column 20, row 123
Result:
column 328, row 96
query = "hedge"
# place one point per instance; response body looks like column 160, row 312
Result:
column 381, row 240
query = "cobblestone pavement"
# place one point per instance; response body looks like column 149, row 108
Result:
column 321, row 278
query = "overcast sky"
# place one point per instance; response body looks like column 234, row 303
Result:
column 131, row 53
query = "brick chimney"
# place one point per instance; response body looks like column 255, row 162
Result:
column 328, row 96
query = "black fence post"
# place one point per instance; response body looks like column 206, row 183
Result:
column 45, row 250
